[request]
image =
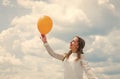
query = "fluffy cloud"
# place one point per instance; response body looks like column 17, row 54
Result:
column 5, row 2
column 104, row 51
column 6, row 57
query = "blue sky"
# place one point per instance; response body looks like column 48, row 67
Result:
column 22, row 54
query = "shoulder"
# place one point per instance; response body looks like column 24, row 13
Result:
column 65, row 53
column 82, row 56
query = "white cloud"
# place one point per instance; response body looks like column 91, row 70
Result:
column 65, row 14
column 25, row 3
column 6, row 57
column 107, row 43
column 112, row 7
column 107, row 4
column 27, row 19
column 103, row 1
column 57, row 43
column 33, row 46
column 6, row 2
column 69, row 15
column 107, row 48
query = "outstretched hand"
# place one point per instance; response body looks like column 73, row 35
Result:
column 43, row 38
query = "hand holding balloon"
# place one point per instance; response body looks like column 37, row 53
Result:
column 42, row 35
column 43, row 38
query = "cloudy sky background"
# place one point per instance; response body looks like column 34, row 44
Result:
column 22, row 54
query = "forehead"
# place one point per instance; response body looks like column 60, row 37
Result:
column 75, row 39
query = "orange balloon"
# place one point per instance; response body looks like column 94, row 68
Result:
column 44, row 24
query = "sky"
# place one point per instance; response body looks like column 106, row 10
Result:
column 22, row 54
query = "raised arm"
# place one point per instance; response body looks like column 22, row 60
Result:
column 49, row 49
column 88, row 70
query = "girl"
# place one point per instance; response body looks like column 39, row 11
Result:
column 74, row 63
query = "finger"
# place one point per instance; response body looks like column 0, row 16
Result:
column 42, row 35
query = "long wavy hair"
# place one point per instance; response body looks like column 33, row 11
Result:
column 81, row 45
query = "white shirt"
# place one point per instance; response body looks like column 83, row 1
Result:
column 72, row 69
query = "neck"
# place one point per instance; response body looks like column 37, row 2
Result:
column 74, row 50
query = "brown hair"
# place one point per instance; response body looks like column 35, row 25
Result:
column 81, row 45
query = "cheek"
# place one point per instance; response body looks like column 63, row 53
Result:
column 76, row 45
column 72, row 43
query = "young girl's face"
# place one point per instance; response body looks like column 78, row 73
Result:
column 74, row 44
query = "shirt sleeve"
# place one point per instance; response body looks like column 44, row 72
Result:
column 52, row 53
column 88, row 70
